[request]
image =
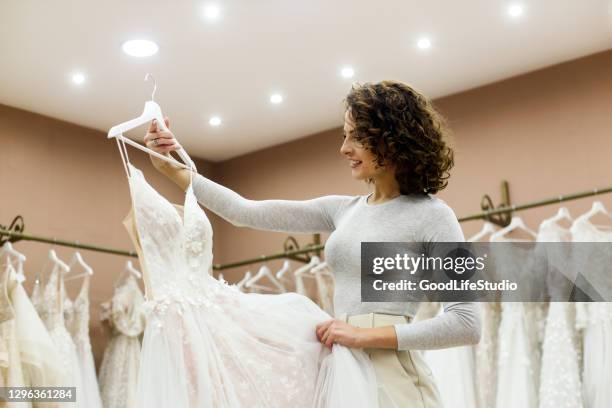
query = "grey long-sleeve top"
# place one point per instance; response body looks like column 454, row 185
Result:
column 351, row 220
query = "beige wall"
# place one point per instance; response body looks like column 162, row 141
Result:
column 547, row 133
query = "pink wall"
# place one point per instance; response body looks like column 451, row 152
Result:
column 547, row 133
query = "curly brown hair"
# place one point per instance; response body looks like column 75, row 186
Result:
column 401, row 127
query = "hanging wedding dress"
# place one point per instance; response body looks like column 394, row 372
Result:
column 518, row 353
column 485, row 352
column 206, row 344
column 52, row 313
column 595, row 319
column 11, row 374
column 560, row 385
column 77, row 319
column 28, row 357
column 486, row 356
column 119, row 369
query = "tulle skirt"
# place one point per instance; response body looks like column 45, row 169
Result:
column 247, row 350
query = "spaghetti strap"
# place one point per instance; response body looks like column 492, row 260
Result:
column 124, row 155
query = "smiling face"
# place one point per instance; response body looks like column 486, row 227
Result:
column 361, row 160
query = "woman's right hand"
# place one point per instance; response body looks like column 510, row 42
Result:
column 162, row 142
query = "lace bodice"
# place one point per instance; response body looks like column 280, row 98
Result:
column 176, row 248
column 51, row 305
column 126, row 309
column 76, row 313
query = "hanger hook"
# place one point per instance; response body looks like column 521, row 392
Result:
column 150, row 76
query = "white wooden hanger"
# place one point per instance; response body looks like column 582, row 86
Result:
column 562, row 214
column 77, row 259
column 319, row 268
column 264, row 271
column 487, row 228
column 283, row 270
column 597, row 208
column 58, row 262
column 244, row 280
column 314, row 261
column 151, row 111
column 129, row 268
column 8, row 249
column 515, row 223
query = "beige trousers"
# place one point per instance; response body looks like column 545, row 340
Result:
column 404, row 379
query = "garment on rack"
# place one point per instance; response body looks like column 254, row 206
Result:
column 485, row 352
column 36, row 296
column 560, row 384
column 11, row 374
column 77, row 313
column 52, row 311
column 28, row 357
column 518, row 359
column 119, row 370
column 486, row 355
column 219, row 347
column 595, row 321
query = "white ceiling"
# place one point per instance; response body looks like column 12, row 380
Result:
column 230, row 66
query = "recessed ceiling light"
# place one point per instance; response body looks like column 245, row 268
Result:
column 214, row 121
column 347, row 72
column 211, row 11
column 140, row 48
column 276, row 98
column 78, row 78
column 515, row 10
column 424, row 43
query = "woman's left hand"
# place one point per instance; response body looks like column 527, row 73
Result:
column 337, row 331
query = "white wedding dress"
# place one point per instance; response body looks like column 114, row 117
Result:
column 595, row 319
column 119, row 369
column 208, row 345
column 77, row 320
column 28, row 357
column 485, row 356
column 560, row 385
column 51, row 310
column 518, row 349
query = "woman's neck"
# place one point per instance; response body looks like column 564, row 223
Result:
column 385, row 189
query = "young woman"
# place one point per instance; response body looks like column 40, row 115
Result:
column 393, row 140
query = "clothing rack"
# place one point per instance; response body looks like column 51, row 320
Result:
column 15, row 233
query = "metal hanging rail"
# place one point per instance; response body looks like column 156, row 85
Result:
column 264, row 258
column 15, row 231
column 540, row 203
column 17, row 236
